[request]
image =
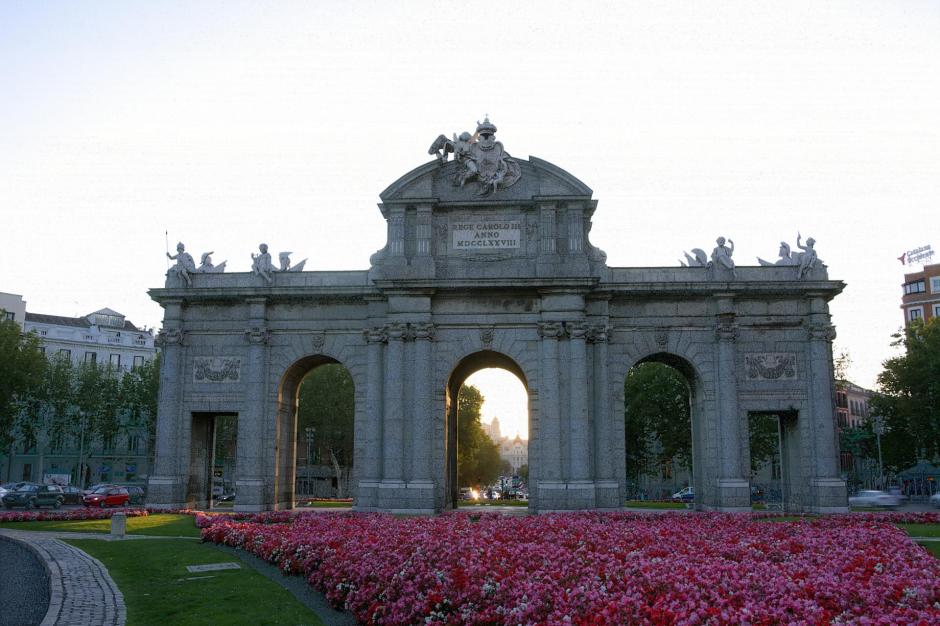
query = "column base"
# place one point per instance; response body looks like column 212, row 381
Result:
column 572, row 495
column 827, row 495
column 734, row 495
column 249, row 495
column 165, row 492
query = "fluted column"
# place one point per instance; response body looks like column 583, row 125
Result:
column 549, row 407
column 823, row 424
column 249, row 463
column 372, row 461
column 602, row 425
column 166, row 481
column 578, row 424
column 393, row 424
column 421, row 444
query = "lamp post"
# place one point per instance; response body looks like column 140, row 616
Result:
column 311, row 432
column 81, row 452
column 878, row 426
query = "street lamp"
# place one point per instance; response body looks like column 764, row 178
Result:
column 81, row 453
column 878, row 426
column 311, row 432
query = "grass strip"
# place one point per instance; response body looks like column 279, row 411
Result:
column 163, row 525
column 933, row 547
column 653, row 504
column 921, row 530
column 158, row 589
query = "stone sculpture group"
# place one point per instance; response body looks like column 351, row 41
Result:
column 260, row 264
column 721, row 257
column 479, row 157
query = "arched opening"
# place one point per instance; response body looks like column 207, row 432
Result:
column 506, row 474
column 316, row 432
column 662, row 425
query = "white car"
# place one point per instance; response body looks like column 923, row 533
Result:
column 871, row 497
column 935, row 500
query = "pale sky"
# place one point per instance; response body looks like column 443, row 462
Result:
column 231, row 123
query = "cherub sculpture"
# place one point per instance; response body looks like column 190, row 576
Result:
column 261, row 264
column 184, row 264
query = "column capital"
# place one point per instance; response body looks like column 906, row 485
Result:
column 725, row 328
column 577, row 330
column 551, row 330
column 422, row 331
column 376, row 334
column 397, row 332
column 598, row 333
column 169, row 337
column 821, row 332
column 257, row 335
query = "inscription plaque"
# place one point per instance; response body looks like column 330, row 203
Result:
column 485, row 235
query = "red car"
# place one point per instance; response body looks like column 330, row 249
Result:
column 107, row 496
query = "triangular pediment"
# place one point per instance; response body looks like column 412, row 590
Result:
column 435, row 182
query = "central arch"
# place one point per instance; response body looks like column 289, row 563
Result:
column 467, row 366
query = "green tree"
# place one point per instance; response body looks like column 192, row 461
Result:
column 657, row 419
column 43, row 413
column 910, row 398
column 763, row 438
column 327, row 404
column 478, row 460
column 524, row 472
column 21, row 369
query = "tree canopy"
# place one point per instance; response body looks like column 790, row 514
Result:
column 478, row 462
column 327, row 404
column 910, row 398
column 657, row 419
column 21, row 369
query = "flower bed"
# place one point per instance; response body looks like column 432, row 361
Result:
column 602, row 568
column 67, row 515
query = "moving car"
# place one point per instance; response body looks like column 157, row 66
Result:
column 935, row 500
column 109, row 495
column 31, row 495
column 136, row 494
column 685, row 495
column 871, row 497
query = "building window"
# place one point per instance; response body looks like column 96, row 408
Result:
column 91, row 357
column 917, row 286
column 133, row 443
column 8, row 316
column 43, row 333
column 138, row 361
column 116, row 360
column 42, row 349
column 915, row 314
column 935, row 284
column 89, row 337
column 936, row 310
column 66, row 353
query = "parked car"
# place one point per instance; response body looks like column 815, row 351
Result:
column 935, row 499
column 109, row 495
column 684, row 495
column 871, row 497
column 97, row 486
column 136, row 494
column 31, row 495
column 72, row 494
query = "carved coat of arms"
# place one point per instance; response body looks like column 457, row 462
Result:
column 479, row 157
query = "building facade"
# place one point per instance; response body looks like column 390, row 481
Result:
column 921, row 297
column 488, row 263
column 13, row 307
column 102, row 337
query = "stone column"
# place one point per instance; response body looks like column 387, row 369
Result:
column 828, row 493
column 372, row 463
column 422, row 447
column 575, row 228
column 166, row 484
column 249, row 462
column 392, row 443
column 733, row 486
column 608, row 490
column 547, row 228
column 396, row 234
column 578, row 424
column 550, row 485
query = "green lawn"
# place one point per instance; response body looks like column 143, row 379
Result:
column 933, row 547
column 159, row 525
column 327, row 504
column 921, row 530
column 152, row 575
column 653, row 504
column 473, row 503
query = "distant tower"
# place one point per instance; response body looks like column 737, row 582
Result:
column 493, row 430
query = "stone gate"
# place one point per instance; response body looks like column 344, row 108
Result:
column 488, row 263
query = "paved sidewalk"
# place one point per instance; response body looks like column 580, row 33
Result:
column 81, row 591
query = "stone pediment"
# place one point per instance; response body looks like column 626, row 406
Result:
column 434, row 182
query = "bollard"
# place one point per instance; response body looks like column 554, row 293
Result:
column 118, row 525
